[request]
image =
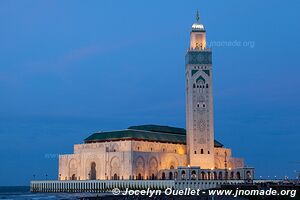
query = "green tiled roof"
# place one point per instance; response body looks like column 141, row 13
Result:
column 144, row 132
column 161, row 129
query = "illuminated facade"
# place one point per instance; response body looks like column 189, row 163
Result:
column 163, row 152
column 199, row 100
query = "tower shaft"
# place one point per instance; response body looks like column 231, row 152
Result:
column 199, row 100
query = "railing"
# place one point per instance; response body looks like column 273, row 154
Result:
column 109, row 185
column 199, row 49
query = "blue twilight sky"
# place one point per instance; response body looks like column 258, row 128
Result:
column 68, row 68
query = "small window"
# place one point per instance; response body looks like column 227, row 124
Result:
column 206, row 85
column 203, row 105
column 195, row 152
column 208, row 152
column 201, row 151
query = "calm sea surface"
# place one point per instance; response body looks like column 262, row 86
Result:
column 22, row 192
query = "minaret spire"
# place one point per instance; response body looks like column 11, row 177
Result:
column 197, row 16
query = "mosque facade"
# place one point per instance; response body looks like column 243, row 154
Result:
column 151, row 152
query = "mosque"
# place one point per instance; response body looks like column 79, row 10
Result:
column 151, row 152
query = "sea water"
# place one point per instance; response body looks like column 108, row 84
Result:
column 23, row 192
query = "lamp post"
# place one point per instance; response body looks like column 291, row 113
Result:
column 225, row 165
column 297, row 175
column 46, row 176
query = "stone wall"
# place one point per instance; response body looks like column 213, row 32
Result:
column 130, row 160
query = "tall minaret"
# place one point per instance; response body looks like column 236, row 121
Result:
column 199, row 100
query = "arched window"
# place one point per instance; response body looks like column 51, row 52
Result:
column 201, row 151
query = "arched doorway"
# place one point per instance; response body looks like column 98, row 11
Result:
column 93, row 173
column 175, row 175
column 194, row 175
column 153, row 168
column 183, row 175
column 232, row 175
column 220, row 175
column 73, row 177
column 248, row 174
column 139, row 177
column 203, row 175
column 226, row 175
column 170, row 175
column 238, row 175
column 215, row 176
column 115, row 177
column 208, row 175
column 152, row 177
column 163, row 176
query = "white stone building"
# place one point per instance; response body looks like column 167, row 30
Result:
column 163, row 152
